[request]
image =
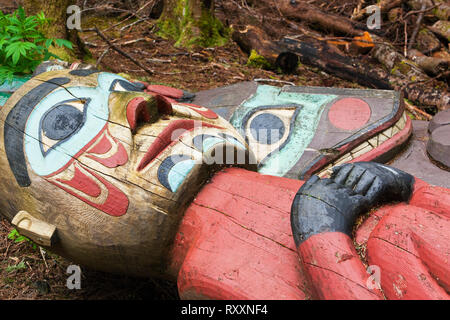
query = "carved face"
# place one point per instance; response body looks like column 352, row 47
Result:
column 110, row 166
column 299, row 131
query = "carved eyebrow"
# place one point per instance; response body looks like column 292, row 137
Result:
column 83, row 72
column 127, row 85
column 15, row 123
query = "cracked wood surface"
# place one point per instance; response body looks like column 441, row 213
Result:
column 235, row 242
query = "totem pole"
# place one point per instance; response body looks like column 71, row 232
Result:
column 120, row 177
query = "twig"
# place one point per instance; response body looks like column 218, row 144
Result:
column 274, row 80
column 101, row 57
column 158, row 60
column 416, row 111
column 420, row 11
column 7, row 249
column 405, row 48
column 43, row 257
column 114, row 47
column 417, row 27
column 133, row 23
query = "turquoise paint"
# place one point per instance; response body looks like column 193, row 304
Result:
column 3, row 98
column 212, row 141
column 179, row 173
column 302, row 132
column 97, row 114
column 11, row 87
column 8, row 88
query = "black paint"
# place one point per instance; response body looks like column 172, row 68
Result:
column 187, row 97
column 166, row 166
column 128, row 86
column 332, row 205
column 15, row 127
column 83, row 72
column 267, row 128
column 198, row 141
column 61, row 122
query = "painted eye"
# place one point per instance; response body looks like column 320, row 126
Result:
column 267, row 128
column 61, row 122
column 121, row 86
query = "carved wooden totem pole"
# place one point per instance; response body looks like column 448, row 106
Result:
column 123, row 177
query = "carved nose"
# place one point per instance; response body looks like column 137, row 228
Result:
column 138, row 112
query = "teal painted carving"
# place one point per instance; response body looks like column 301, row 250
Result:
column 299, row 113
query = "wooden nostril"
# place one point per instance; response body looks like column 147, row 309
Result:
column 163, row 104
column 137, row 112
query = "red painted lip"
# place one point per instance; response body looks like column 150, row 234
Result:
column 167, row 138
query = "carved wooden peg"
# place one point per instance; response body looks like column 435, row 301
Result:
column 37, row 230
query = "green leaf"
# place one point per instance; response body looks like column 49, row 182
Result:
column 63, row 43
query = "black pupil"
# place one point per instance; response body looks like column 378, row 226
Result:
column 61, row 122
column 267, row 128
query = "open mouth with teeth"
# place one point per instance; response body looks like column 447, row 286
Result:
column 377, row 148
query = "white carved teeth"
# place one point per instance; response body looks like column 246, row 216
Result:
column 366, row 146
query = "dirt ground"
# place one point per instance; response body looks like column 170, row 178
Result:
column 25, row 272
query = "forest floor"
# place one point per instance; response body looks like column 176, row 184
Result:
column 28, row 273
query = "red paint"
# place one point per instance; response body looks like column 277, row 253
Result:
column 349, row 114
column 83, row 183
column 116, row 203
column 209, row 114
column 137, row 112
column 165, row 91
column 168, row 137
column 436, row 199
column 334, row 269
column 102, row 147
column 366, row 228
column 116, row 160
column 235, row 242
column 81, row 152
column 119, row 158
column 240, row 246
column 412, row 246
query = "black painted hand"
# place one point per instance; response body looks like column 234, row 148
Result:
column 332, row 205
column 377, row 182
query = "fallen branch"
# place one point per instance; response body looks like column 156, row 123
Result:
column 417, row 26
column 419, row 114
column 406, row 76
column 383, row 5
column 123, row 53
column 320, row 54
column 430, row 65
column 306, row 12
column 253, row 38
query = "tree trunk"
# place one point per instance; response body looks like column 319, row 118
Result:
column 56, row 11
column 192, row 22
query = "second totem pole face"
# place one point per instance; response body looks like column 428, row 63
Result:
column 111, row 166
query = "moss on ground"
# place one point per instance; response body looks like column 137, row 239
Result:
column 182, row 26
column 258, row 61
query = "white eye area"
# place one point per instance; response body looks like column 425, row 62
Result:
column 268, row 129
column 118, row 87
column 79, row 104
